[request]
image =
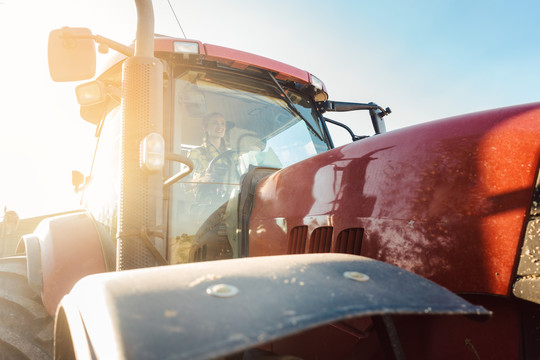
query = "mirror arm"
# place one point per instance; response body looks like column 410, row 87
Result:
column 102, row 41
column 353, row 135
column 121, row 48
column 339, row 106
column 376, row 112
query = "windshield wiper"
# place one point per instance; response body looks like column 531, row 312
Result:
column 292, row 106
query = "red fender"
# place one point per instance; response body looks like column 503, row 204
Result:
column 61, row 251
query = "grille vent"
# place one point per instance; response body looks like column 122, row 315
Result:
column 297, row 240
column 349, row 241
column 321, row 240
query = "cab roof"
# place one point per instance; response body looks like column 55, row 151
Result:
column 231, row 57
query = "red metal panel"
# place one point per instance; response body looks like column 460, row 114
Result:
column 234, row 58
column 446, row 199
column 455, row 337
column 241, row 60
column 422, row 337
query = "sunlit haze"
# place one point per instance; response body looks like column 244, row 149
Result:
column 424, row 59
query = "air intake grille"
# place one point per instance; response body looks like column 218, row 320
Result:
column 349, row 241
column 321, row 240
column 297, row 240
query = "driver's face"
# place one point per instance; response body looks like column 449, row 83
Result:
column 216, row 127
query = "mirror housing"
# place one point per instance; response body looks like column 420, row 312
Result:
column 77, row 180
column 72, row 54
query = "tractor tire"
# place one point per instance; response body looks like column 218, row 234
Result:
column 26, row 329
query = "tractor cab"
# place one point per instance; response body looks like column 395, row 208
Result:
column 267, row 114
column 225, row 112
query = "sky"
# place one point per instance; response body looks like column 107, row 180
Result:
column 425, row 60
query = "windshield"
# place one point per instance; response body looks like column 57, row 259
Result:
column 226, row 124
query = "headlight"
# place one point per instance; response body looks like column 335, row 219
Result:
column 90, row 93
column 186, row 47
column 153, row 152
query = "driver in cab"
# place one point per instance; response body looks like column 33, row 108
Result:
column 214, row 126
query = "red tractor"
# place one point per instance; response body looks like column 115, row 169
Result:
column 376, row 249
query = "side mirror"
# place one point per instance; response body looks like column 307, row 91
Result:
column 77, row 180
column 377, row 120
column 72, row 54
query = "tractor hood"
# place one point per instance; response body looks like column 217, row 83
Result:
column 447, row 200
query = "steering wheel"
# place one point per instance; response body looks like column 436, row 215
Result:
column 223, row 167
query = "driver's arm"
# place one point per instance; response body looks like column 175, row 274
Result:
column 200, row 163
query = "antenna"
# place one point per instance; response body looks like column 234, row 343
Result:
column 176, row 17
